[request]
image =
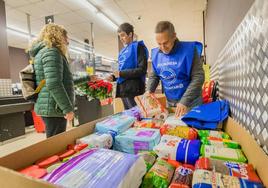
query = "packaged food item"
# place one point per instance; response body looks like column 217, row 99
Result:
column 188, row 151
column 182, row 177
column 181, row 150
column 44, row 163
column 134, row 112
column 240, row 170
column 149, row 158
column 226, row 154
column 180, row 131
column 211, row 133
column 149, row 123
column 159, row 175
column 66, row 154
column 116, row 124
column 97, row 140
column 220, row 142
column 175, row 121
column 150, row 107
column 34, row 171
column 167, row 148
column 206, row 179
column 135, row 140
column 99, row 168
column 80, row 147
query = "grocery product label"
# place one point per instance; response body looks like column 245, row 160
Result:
column 145, row 133
column 140, row 146
column 204, row 177
column 212, row 151
column 163, row 169
column 216, row 143
column 216, row 134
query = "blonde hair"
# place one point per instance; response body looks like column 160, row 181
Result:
column 53, row 35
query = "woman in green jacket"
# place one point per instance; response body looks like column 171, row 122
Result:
column 55, row 103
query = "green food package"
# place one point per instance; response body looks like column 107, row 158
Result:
column 149, row 158
column 159, row 176
column 220, row 142
column 221, row 153
column 211, row 133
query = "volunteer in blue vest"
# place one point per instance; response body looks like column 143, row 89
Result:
column 177, row 64
column 132, row 61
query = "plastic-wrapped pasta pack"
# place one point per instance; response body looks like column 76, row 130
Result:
column 159, row 175
column 211, row 133
column 226, row 154
column 180, row 131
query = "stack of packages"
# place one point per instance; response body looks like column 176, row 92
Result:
column 147, row 147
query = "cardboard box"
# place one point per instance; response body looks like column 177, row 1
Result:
column 25, row 157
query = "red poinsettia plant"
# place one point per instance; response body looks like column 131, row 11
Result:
column 97, row 90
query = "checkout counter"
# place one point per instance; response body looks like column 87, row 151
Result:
column 12, row 117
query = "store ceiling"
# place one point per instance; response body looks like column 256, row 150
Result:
column 143, row 14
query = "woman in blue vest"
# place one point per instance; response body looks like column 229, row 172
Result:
column 132, row 61
column 177, row 64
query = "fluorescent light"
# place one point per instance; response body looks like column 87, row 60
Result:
column 107, row 20
column 75, row 51
column 83, row 50
column 91, row 7
column 100, row 14
column 18, row 33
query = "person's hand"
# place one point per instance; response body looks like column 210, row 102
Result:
column 116, row 74
column 180, row 110
column 110, row 78
column 94, row 78
column 69, row 116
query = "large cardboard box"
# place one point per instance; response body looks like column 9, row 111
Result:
column 9, row 178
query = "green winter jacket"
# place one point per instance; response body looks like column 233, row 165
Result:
column 56, row 98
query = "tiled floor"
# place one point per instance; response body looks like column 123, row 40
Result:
column 31, row 137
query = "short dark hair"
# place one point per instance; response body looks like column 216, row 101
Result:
column 126, row 27
column 163, row 26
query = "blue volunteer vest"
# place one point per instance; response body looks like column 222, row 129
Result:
column 128, row 58
column 174, row 69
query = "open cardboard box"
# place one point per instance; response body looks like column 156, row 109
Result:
column 9, row 178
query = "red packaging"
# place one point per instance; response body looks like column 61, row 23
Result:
column 66, row 154
column 47, row 162
column 79, row 147
column 34, row 171
column 182, row 177
column 241, row 170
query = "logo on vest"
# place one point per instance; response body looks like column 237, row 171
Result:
column 168, row 75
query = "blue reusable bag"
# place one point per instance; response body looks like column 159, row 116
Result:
column 207, row 116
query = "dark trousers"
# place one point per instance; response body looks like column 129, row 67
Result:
column 54, row 125
column 129, row 102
